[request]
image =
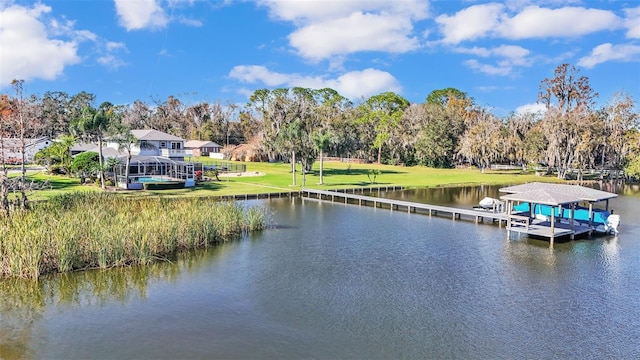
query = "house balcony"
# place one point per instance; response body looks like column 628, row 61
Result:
column 176, row 153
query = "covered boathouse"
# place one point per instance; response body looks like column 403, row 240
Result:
column 552, row 211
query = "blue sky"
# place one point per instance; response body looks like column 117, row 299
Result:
column 221, row 51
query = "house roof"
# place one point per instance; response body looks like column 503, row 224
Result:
column 80, row 147
column 107, row 152
column 195, row 144
column 151, row 135
column 576, row 191
column 542, row 196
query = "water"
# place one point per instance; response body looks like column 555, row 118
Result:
column 341, row 281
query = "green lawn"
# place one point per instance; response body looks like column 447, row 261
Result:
column 277, row 178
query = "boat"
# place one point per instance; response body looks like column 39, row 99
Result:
column 611, row 226
column 490, row 204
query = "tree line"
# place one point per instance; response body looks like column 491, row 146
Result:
column 299, row 124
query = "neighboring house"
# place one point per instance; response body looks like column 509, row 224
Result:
column 203, row 148
column 107, row 152
column 11, row 150
column 156, row 143
column 82, row 147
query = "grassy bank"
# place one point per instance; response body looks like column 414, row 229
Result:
column 99, row 230
column 277, row 177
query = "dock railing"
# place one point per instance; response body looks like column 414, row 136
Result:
column 518, row 221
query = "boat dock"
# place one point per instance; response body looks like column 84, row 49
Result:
column 556, row 196
column 410, row 207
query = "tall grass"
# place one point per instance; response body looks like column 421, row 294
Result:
column 99, row 230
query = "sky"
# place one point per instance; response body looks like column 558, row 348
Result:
column 223, row 50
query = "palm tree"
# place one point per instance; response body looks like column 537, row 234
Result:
column 127, row 142
column 94, row 124
column 322, row 140
column 64, row 151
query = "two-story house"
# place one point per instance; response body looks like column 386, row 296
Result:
column 156, row 143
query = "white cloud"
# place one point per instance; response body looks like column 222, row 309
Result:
column 471, row 23
column 344, row 27
column 496, row 21
column 306, row 12
column 535, row 108
column 353, row 84
column 110, row 59
column 537, row 22
column 632, row 22
column 608, row 52
column 358, row 32
column 509, row 56
column 254, row 73
column 33, row 54
column 501, row 69
column 141, row 14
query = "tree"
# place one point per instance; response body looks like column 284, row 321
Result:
column 288, row 141
column 567, row 92
column 322, row 140
column 441, row 97
column 480, row 144
column 94, row 125
column 137, row 116
column 621, row 117
column 6, row 129
column 58, row 154
column 516, row 133
column 437, row 141
column 86, row 164
column 20, row 122
column 568, row 99
column 127, row 142
column 632, row 166
column 383, row 112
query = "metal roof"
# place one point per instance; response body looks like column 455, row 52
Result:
column 542, row 196
column 576, row 191
column 151, row 135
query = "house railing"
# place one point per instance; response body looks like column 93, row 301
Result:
column 175, row 152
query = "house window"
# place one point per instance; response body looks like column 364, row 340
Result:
column 176, row 146
column 163, row 145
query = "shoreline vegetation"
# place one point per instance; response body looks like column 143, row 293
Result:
column 74, row 227
column 84, row 230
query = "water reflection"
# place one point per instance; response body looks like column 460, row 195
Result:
column 342, row 281
column 23, row 302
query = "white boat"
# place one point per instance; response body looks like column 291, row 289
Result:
column 490, row 204
column 610, row 226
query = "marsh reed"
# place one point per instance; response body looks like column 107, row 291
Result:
column 100, row 230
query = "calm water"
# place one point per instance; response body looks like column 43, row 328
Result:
column 335, row 281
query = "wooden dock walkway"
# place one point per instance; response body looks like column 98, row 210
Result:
column 543, row 229
column 410, row 207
